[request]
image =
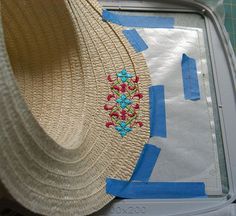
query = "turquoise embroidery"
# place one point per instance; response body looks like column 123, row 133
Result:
column 124, row 75
column 123, row 129
column 124, row 101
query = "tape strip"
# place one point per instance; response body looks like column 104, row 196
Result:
column 138, row 21
column 135, row 40
column 190, row 78
column 157, row 111
column 155, row 190
column 146, row 163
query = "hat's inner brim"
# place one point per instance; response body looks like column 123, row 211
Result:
column 42, row 47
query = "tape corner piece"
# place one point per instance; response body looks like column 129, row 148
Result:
column 139, row 186
column 138, row 21
column 146, row 163
column 135, row 40
column 190, row 78
column 155, row 190
column 157, row 111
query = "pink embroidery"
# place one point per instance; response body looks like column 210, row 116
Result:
column 123, row 102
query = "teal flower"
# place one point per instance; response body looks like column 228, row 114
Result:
column 124, row 101
column 123, row 129
column 124, row 75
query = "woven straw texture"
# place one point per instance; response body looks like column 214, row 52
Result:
column 55, row 151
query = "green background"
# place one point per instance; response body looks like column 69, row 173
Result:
column 230, row 20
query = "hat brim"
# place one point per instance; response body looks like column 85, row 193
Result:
column 55, row 151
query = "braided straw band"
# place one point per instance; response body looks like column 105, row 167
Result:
column 56, row 151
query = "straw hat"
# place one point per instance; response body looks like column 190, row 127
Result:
column 73, row 105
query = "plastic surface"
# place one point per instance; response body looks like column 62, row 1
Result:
column 216, row 5
column 189, row 152
column 189, row 145
column 230, row 210
column 223, row 66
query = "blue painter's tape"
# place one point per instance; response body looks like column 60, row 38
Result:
column 135, row 40
column 157, row 111
column 155, row 190
column 190, row 78
column 138, row 21
column 146, row 163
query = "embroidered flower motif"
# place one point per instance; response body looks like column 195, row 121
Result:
column 123, row 129
column 124, row 75
column 123, row 102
